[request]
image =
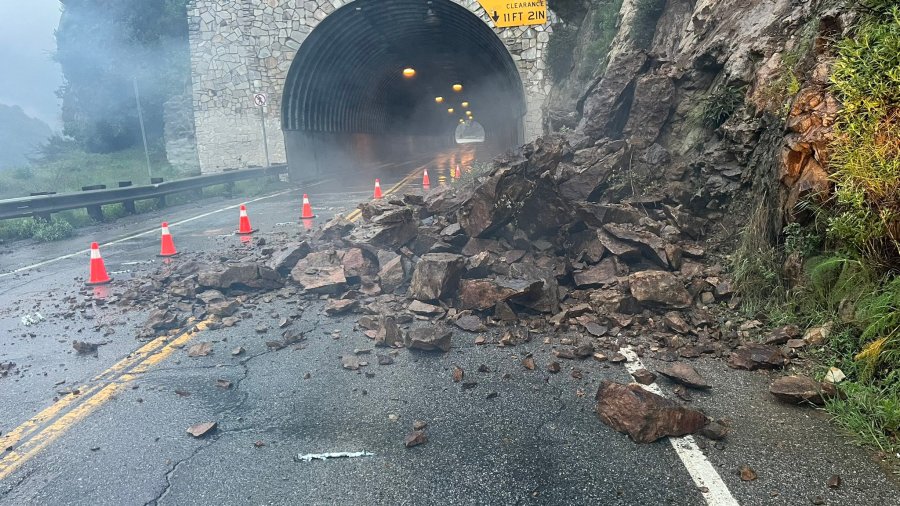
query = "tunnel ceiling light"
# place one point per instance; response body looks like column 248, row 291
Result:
column 457, row 87
column 450, row 110
column 465, row 105
column 439, row 100
column 409, row 72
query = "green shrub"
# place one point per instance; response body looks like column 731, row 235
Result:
column 605, row 21
column 866, row 151
column 560, row 51
column 721, row 105
column 40, row 230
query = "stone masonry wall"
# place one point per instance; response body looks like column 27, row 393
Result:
column 240, row 47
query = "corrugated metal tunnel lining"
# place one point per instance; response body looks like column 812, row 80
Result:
column 347, row 75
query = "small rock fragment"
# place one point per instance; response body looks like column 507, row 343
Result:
column 199, row 430
column 747, row 473
column 643, row 376
column 415, row 438
column 553, row 367
column 458, row 374
column 834, row 481
column 528, row 362
column 200, row 349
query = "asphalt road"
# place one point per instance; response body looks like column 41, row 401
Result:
column 514, row 437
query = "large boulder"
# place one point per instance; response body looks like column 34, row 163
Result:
column 285, row 258
column 320, row 272
column 436, row 276
column 752, row 356
column 802, row 389
column 431, row 338
column 484, row 294
column 659, row 288
column 643, row 415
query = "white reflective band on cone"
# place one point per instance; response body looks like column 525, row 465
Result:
column 95, row 253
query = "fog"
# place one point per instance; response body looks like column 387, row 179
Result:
column 29, row 77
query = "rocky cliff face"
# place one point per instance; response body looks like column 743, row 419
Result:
column 716, row 106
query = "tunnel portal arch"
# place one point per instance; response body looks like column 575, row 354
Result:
column 346, row 84
column 321, row 95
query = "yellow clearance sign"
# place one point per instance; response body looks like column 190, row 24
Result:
column 506, row 13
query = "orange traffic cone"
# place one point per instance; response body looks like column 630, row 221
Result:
column 425, row 180
column 168, row 245
column 307, row 209
column 458, row 172
column 98, row 274
column 244, row 223
column 377, row 188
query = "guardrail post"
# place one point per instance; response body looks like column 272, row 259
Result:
column 127, row 204
column 42, row 216
column 161, row 200
column 95, row 212
column 229, row 186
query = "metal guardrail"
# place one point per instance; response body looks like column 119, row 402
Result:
column 45, row 205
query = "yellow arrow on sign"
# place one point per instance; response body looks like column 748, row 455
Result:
column 507, row 13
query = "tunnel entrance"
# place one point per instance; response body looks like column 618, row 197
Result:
column 469, row 132
column 392, row 79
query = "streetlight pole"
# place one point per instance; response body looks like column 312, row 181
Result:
column 137, row 99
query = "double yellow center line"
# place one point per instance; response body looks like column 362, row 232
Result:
column 28, row 439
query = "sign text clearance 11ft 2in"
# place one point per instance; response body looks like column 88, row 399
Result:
column 507, row 13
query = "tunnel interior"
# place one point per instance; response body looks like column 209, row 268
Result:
column 349, row 97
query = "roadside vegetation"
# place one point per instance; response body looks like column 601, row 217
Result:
column 841, row 268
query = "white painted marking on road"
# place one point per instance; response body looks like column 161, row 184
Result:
column 334, row 455
column 701, row 470
column 154, row 230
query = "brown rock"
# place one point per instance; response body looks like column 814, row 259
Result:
column 200, row 349
column 781, row 335
column 714, row 431
column 340, row 306
column 199, row 430
column 675, row 322
column 392, row 274
column 415, row 438
column 553, row 367
column 287, row 257
column 651, row 245
column 388, row 333
column 756, row 356
column 528, row 363
column 320, row 272
column 834, row 481
column 602, row 274
column 436, row 276
column 643, row 376
column 659, row 287
column 429, row 339
column 458, row 374
column 424, row 308
column 356, row 263
column 747, row 473
column 800, row 389
column 684, row 374
column 643, row 415
column 470, row 323
column 484, row 294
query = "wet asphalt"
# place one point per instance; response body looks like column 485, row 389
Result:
column 505, row 436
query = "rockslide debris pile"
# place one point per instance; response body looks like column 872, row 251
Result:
column 529, row 248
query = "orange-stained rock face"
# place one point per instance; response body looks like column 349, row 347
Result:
column 805, row 155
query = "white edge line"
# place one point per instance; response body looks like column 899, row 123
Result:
column 698, row 466
column 153, row 230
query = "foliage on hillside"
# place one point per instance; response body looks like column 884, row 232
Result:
column 20, row 136
column 102, row 46
column 866, row 161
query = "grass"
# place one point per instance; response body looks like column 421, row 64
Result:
column 65, row 224
column 70, row 170
column 865, row 164
column 721, row 105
